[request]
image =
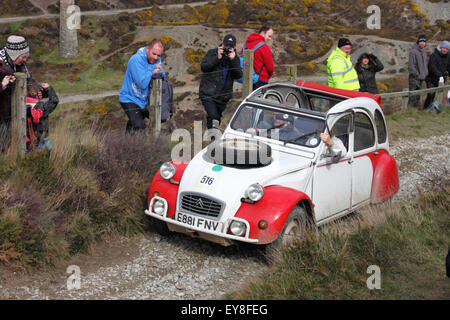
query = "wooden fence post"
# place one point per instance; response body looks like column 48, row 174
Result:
column 405, row 100
column 292, row 72
column 248, row 73
column 440, row 94
column 155, row 108
column 19, row 115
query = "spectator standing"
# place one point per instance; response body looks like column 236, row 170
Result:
column 262, row 57
column 40, row 127
column 133, row 96
column 13, row 58
column 341, row 73
column 417, row 65
column 366, row 67
column 220, row 68
column 438, row 66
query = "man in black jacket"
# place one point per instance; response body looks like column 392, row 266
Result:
column 438, row 66
column 220, row 68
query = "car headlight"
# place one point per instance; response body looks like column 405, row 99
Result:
column 158, row 207
column 238, row 228
column 255, row 192
column 167, row 170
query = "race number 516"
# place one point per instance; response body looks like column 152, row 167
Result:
column 207, row 180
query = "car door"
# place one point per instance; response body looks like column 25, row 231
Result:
column 332, row 181
column 363, row 157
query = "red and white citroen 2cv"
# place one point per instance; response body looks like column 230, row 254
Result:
column 270, row 175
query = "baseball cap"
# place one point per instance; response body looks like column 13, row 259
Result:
column 229, row 40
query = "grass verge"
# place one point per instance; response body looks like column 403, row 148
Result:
column 409, row 244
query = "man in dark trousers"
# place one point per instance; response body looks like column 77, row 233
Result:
column 438, row 66
column 133, row 96
column 417, row 65
column 220, row 68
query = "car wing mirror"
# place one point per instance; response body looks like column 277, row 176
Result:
column 333, row 156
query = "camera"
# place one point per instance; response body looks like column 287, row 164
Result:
column 226, row 51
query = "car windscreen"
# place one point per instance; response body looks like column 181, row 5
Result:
column 285, row 126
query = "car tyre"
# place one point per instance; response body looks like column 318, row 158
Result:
column 161, row 227
column 294, row 229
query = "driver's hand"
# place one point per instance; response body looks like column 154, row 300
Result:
column 325, row 137
column 251, row 130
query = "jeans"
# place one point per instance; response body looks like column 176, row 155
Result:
column 213, row 110
column 431, row 95
column 414, row 84
column 135, row 115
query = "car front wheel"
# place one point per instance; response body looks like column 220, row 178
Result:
column 294, row 229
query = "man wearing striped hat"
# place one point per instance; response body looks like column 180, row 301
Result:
column 13, row 58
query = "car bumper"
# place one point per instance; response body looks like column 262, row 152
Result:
column 208, row 234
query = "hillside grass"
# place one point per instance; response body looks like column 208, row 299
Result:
column 409, row 243
column 415, row 123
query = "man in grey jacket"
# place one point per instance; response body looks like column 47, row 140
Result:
column 418, row 69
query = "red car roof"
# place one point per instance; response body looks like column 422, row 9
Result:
column 346, row 93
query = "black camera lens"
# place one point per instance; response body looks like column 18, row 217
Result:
column 226, row 51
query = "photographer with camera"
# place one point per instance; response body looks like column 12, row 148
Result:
column 220, row 68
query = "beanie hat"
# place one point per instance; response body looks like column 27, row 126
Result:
column 421, row 38
column 444, row 44
column 16, row 46
column 344, row 42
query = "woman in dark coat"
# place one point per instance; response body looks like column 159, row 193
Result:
column 366, row 67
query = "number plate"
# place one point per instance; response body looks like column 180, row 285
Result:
column 198, row 222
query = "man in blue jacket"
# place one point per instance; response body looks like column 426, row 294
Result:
column 133, row 96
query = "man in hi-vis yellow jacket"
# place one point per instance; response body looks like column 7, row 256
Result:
column 341, row 73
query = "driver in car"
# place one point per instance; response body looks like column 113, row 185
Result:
column 282, row 123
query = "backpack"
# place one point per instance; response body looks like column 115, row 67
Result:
column 166, row 98
column 241, row 61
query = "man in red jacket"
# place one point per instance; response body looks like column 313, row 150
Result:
column 262, row 57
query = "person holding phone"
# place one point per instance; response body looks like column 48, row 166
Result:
column 133, row 97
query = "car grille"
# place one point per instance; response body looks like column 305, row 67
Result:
column 197, row 204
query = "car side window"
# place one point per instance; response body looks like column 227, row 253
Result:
column 341, row 129
column 364, row 132
column 381, row 127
